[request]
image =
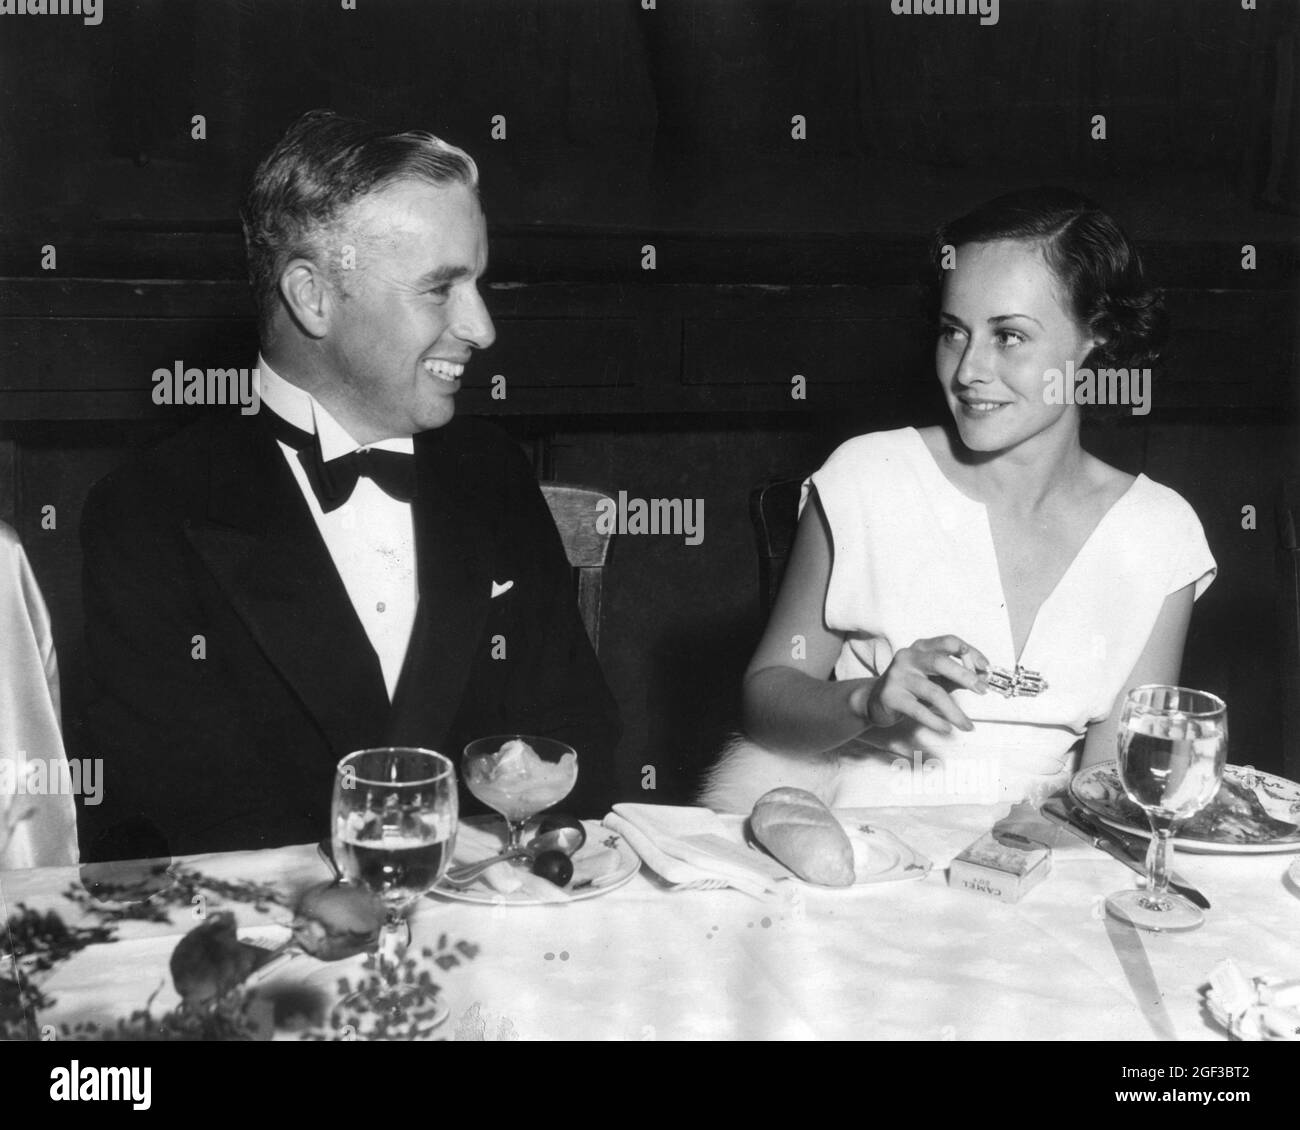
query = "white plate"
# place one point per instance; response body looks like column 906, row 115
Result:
column 1293, row 877
column 879, row 856
column 125, row 883
column 1098, row 789
column 629, row 863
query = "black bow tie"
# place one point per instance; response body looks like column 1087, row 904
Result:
column 334, row 481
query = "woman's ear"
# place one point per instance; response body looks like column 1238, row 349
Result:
column 307, row 296
column 1094, row 340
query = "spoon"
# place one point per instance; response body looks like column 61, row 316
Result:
column 556, row 835
column 325, row 849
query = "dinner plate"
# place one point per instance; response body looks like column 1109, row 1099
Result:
column 598, row 836
column 1098, row 789
column 879, row 856
column 1292, row 878
column 125, row 883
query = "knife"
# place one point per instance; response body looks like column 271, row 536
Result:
column 1135, row 846
column 1119, row 846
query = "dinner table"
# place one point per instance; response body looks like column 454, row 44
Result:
column 908, row 959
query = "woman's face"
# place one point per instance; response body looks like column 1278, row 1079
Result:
column 1003, row 326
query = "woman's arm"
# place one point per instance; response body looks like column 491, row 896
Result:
column 789, row 702
column 1160, row 662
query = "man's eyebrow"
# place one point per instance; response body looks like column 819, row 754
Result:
column 442, row 275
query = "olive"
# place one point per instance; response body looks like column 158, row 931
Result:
column 554, row 866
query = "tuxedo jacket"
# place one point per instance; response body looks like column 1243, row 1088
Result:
column 228, row 673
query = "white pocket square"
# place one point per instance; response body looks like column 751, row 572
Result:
column 504, row 587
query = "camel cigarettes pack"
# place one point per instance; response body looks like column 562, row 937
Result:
column 1004, row 868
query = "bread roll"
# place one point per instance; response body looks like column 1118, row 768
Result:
column 800, row 831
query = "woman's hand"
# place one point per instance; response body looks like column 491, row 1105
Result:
column 916, row 683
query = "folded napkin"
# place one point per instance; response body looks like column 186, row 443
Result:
column 1258, row 1008
column 690, row 847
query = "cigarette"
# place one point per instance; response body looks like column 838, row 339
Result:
column 965, row 658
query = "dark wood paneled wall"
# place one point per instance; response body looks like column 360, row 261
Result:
column 706, row 331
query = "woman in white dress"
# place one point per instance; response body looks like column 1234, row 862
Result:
column 38, row 820
column 984, row 593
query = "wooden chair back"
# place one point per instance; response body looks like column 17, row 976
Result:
column 576, row 510
column 774, row 511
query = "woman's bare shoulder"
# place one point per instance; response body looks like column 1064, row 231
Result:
column 936, row 438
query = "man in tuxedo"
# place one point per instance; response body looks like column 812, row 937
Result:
column 353, row 566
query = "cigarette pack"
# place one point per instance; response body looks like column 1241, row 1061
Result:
column 1003, row 867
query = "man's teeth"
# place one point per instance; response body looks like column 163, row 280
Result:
column 983, row 406
column 446, row 370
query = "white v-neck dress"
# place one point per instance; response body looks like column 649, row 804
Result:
column 914, row 558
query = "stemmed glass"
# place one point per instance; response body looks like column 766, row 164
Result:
column 394, row 817
column 1173, row 742
column 519, row 776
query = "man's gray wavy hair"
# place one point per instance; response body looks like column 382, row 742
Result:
column 322, row 164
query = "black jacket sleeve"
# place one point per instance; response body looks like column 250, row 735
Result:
column 159, row 714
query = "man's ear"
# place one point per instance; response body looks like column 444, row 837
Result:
column 307, row 296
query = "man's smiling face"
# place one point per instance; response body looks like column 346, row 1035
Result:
column 404, row 322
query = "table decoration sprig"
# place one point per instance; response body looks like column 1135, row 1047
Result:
column 234, row 1017
column 43, row 940
column 188, row 888
column 34, row 943
column 394, row 1001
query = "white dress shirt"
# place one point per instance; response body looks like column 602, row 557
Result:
column 370, row 538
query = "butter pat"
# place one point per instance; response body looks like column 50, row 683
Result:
column 999, row 870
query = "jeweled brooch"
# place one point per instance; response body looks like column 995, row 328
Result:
column 1020, row 683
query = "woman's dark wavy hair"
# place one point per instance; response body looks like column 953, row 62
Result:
column 1099, row 269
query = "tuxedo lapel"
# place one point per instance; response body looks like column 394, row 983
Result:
column 267, row 555
column 450, row 539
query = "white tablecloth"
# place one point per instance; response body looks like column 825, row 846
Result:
column 906, row 960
